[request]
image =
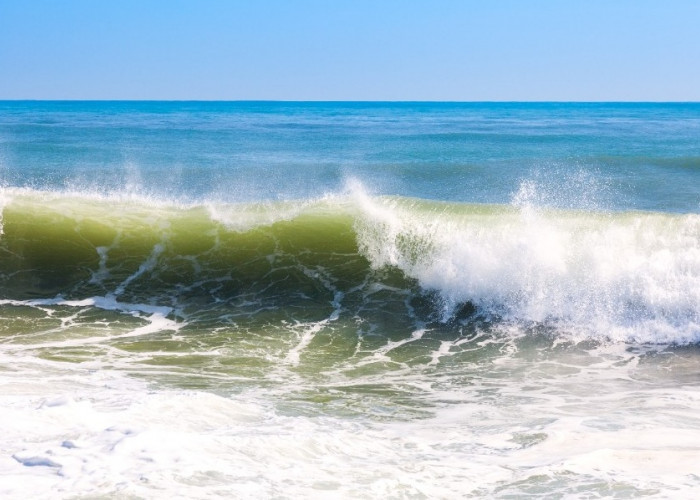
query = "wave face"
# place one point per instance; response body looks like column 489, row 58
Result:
column 630, row 276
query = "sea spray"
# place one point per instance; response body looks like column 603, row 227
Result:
column 624, row 276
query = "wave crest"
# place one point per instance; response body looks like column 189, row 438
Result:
column 624, row 276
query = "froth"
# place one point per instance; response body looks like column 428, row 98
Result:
column 626, row 276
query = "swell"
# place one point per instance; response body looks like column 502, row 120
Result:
column 77, row 247
column 630, row 276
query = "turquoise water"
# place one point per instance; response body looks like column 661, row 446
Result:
column 627, row 156
column 405, row 300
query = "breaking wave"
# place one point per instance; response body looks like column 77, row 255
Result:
column 625, row 276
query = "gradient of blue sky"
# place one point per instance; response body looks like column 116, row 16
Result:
column 461, row 50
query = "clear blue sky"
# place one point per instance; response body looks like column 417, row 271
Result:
column 462, row 50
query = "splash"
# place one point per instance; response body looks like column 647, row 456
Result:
column 628, row 276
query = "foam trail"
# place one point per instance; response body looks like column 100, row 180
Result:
column 307, row 335
column 146, row 266
column 155, row 316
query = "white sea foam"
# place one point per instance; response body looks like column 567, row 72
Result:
column 625, row 276
column 5, row 199
column 72, row 430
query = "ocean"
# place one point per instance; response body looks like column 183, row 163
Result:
column 349, row 300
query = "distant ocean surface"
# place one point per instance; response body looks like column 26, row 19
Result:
column 349, row 300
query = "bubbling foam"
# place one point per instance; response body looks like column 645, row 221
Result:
column 626, row 276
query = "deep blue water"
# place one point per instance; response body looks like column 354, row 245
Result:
column 603, row 156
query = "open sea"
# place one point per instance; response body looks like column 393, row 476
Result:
column 349, row 300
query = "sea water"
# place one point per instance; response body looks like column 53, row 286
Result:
column 349, row 300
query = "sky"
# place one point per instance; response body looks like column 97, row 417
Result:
column 396, row 50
